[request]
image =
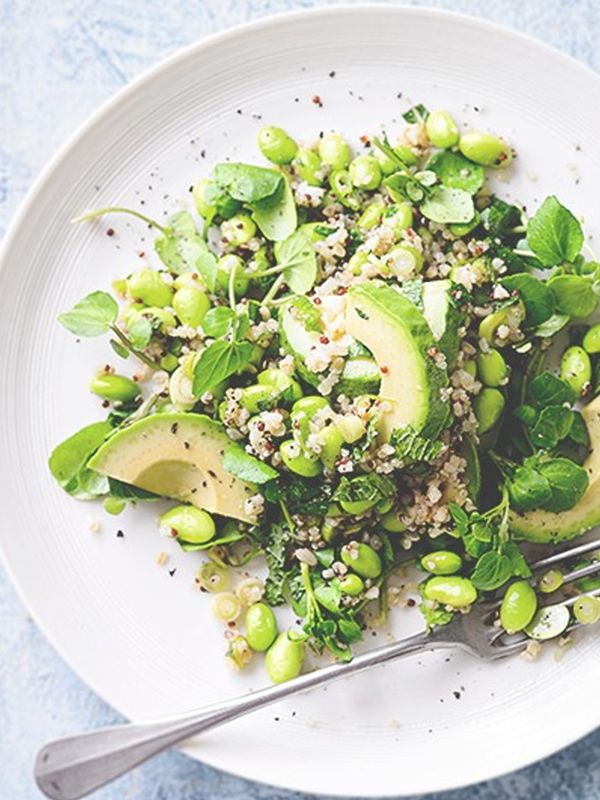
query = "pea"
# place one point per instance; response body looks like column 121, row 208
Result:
column 451, row 591
column 113, row 505
column 576, row 368
column 296, row 461
column 492, row 368
column 284, row 658
column 261, row 627
column 352, row 585
column 276, row 145
column 511, row 317
column 362, row 559
column 488, row 406
column 334, row 150
column 308, row 165
column 225, row 265
column 190, row 305
column 258, row 398
column 485, row 149
column 518, row 608
column 371, row 216
column 180, row 390
column 281, row 381
column 400, row 216
column 591, row 340
column 391, row 522
column 587, row 610
column 116, row 388
column 442, row 562
column 191, row 524
column 365, row 172
column 331, row 440
column 403, row 260
column 442, row 129
column 148, row 286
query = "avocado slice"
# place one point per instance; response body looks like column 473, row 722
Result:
column 179, row 456
column 400, row 339
column 443, row 316
column 542, row 526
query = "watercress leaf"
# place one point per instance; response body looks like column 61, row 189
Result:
column 140, row 332
column 277, row 216
column 181, row 246
column 125, row 491
column 247, row 183
column 217, row 321
column 554, row 234
column 434, row 615
column 519, row 566
column 371, row 487
column 415, row 114
column 551, row 426
column 218, row 362
column 500, row 217
column 329, row 597
column 207, row 266
column 579, row 432
column 552, row 326
column 491, row 571
column 547, row 389
column 238, row 462
column 299, row 262
column 234, row 535
column 325, row 557
column 536, row 296
column 457, row 172
column 91, row 316
column 67, row 462
column 568, row 483
column 448, row 205
column 349, row 631
column 300, row 496
column 528, row 489
column 573, row 295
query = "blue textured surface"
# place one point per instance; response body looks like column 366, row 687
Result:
column 59, row 59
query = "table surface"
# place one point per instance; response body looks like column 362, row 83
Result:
column 59, row 60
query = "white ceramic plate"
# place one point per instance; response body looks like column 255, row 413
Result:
column 143, row 639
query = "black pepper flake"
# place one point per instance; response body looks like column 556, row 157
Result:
column 212, row 474
column 202, row 153
column 332, row 74
column 120, row 534
column 174, row 428
column 194, row 490
column 110, row 231
column 457, row 695
column 172, row 571
column 411, row 602
column 186, row 445
column 238, row 111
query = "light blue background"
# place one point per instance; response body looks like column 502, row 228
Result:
column 58, row 62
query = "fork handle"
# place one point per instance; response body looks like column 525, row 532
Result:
column 72, row 767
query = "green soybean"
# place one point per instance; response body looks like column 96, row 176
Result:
column 512, row 317
column 450, row 591
column 362, row 559
column 261, row 627
column 365, row 172
column 334, row 150
column 488, row 406
column 190, row 305
column 296, row 461
column 113, row 505
column 258, row 397
column 276, row 145
column 116, row 388
column 392, row 523
column 352, row 584
column 518, row 608
column 441, row 129
column 191, row 524
column 576, row 368
column 485, row 149
column 284, row 658
column 492, row 368
column 282, row 382
column 331, row 441
column 591, row 340
column 308, row 166
column 442, row 562
column 148, row 286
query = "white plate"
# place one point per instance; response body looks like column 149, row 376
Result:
column 144, row 640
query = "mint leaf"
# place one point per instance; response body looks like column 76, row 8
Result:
column 547, row 389
column 499, row 217
column 92, row 316
column 218, row 362
column 238, row 462
column 448, row 205
column 415, row 114
column 554, row 234
column 491, row 571
column 298, row 260
column 411, row 447
column 551, row 426
column 247, row 183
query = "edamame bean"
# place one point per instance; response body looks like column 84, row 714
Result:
column 113, row 505
column 309, row 405
column 334, row 150
column 492, row 368
column 190, row 305
column 442, row 562
column 450, row 591
column 331, row 441
column 284, row 658
column 403, row 260
column 485, row 149
column 388, row 166
column 190, row 524
column 165, row 320
column 470, row 366
column 241, row 281
column 352, row 585
column 591, row 340
column 148, row 286
column 365, row 172
column 391, row 522
column 239, row 652
column 276, row 145
column 212, row 577
column 551, row 581
column 308, row 165
column 488, row 406
column 510, row 318
column 587, row 610
column 258, row 398
column 441, row 129
column 116, row 388
column 205, row 208
column 518, row 608
column 280, row 380
column 238, row 230
column 576, row 368
column 362, row 559
column 226, row 607
column 371, row 216
column 261, row 627
column 296, row 461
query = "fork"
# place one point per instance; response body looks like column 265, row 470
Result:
column 72, row 767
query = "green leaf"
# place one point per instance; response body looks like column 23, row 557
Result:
column 181, row 247
column 207, row 266
column 140, row 332
column 329, row 597
column 573, row 295
column 551, row 426
column 247, row 183
column 536, row 296
column 234, row 535
column 371, row 487
column 448, row 205
column 579, row 432
column 528, row 489
column 278, row 540
column 217, row 321
column 125, row 491
column 554, row 234
column 119, row 349
column 277, row 216
column 520, row 567
column 246, row 467
column 568, row 483
column 91, row 316
column 412, row 448
column 492, row 570
column 552, row 326
column 547, row 389
column 299, row 262
column 435, row 616
column 500, row 217
column 457, row 172
column 67, row 462
column 349, row 631
column 417, row 113
column 218, row 362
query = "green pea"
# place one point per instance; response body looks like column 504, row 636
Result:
column 276, row 145
column 391, row 522
column 442, row 562
column 308, row 165
column 587, row 610
column 334, row 150
column 343, row 189
column 261, row 627
column 400, row 216
column 485, row 149
column 576, row 368
column 362, row 559
column 352, row 585
column 511, row 316
column 115, row 388
column 296, row 461
column 488, row 406
column 241, row 282
column 441, row 129
column 284, row 658
column 190, row 305
column 281, row 381
column 492, row 368
column 591, row 340
column 148, row 286
column 518, row 606
column 113, row 505
column 365, row 172
column 403, row 260
column 259, row 397
column 450, row 591
column 331, row 441
column 371, row 216
column 191, row 524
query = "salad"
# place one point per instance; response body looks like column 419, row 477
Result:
column 344, row 366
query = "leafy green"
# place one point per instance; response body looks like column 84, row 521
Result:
column 492, row 570
column 238, row 462
column 276, row 216
column 217, row 321
column 233, row 535
column 552, row 326
column 278, row 541
column 551, row 426
column 457, row 172
column 300, row 496
column 298, row 261
column 554, row 234
column 536, row 296
column 417, row 113
column 247, row 183
column 125, row 491
column 92, row 316
column 547, row 389
column 370, row 487
column 67, row 462
column 140, row 332
column 529, row 489
column 568, row 483
column 500, row 217
column 412, row 448
column 435, row 615
column 219, row 361
column 182, row 249
column 573, row 295
column 448, row 205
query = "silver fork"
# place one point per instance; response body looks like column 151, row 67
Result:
column 72, row 767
